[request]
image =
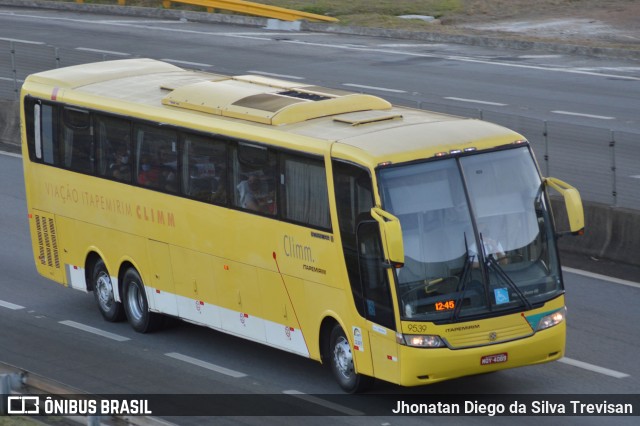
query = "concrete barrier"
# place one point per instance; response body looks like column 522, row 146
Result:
column 610, row 233
column 10, row 125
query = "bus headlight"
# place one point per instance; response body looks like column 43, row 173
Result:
column 420, row 340
column 552, row 319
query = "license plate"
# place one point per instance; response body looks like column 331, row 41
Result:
column 494, row 359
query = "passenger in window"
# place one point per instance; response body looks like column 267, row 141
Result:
column 248, row 189
column 169, row 179
column 120, row 169
column 149, row 174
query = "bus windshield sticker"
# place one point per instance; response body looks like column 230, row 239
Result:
column 502, row 295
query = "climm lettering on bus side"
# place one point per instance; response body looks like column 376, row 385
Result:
column 297, row 251
column 160, row 217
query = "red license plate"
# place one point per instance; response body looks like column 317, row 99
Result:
column 494, row 359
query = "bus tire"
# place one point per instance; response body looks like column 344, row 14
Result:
column 341, row 361
column 110, row 309
column 136, row 305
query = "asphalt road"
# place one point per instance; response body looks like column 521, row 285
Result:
column 58, row 333
column 556, row 87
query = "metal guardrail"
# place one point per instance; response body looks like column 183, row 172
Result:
column 15, row 382
column 602, row 163
column 249, row 8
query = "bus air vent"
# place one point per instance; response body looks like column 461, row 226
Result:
column 47, row 242
column 366, row 117
column 269, row 101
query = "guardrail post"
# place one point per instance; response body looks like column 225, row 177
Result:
column 12, row 48
column 7, row 383
column 545, row 135
column 614, row 173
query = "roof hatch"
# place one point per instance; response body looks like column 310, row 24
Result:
column 269, row 101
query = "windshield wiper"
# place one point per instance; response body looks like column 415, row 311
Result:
column 468, row 261
column 491, row 262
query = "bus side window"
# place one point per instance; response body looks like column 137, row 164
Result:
column 354, row 199
column 305, row 197
column 156, row 153
column 375, row 281
column 77, row 141
column 113, row 139
column 253, row 178
column 204, row 169
column 41, row 131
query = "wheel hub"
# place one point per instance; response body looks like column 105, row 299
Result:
column 104, row 290
column 343, row 358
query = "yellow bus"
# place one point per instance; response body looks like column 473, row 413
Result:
column 386, row 242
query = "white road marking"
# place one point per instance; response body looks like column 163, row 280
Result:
column 411, row 45
column 475, row 101
column 382, row 89
column 10, row 154
column 539, row 56
column 593, row 368
column 10, row 305
column 139, row 21
column 195, row 64
column 324, row 403
column 94, row 330
column 17, row 40
column 468, row 59
column 635, row 176
column 207, row 365
column 578, row 114
column 270, row 74
column 601, row 277
column 109, row 52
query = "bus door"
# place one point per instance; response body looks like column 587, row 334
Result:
column 378, row 302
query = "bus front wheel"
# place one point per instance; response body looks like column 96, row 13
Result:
column 110, row 309
column 136, row 305
column 341, row 360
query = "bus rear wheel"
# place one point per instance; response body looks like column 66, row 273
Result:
column 110, row 309
column 136, row 305
column 341, row 361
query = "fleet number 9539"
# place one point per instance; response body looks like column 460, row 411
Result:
column 416, row 328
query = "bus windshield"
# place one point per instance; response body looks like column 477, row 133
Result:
column 477, row 235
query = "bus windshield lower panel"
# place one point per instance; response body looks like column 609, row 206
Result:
column 477, row 233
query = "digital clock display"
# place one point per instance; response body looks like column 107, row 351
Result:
column 445, row 306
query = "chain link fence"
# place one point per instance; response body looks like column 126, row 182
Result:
column 603, row 164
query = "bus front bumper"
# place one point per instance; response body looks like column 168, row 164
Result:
column 424, row 366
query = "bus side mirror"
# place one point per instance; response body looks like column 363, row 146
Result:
column 391, row 233
column 572, row 202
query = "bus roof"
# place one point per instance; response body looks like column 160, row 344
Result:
column 354, row 126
